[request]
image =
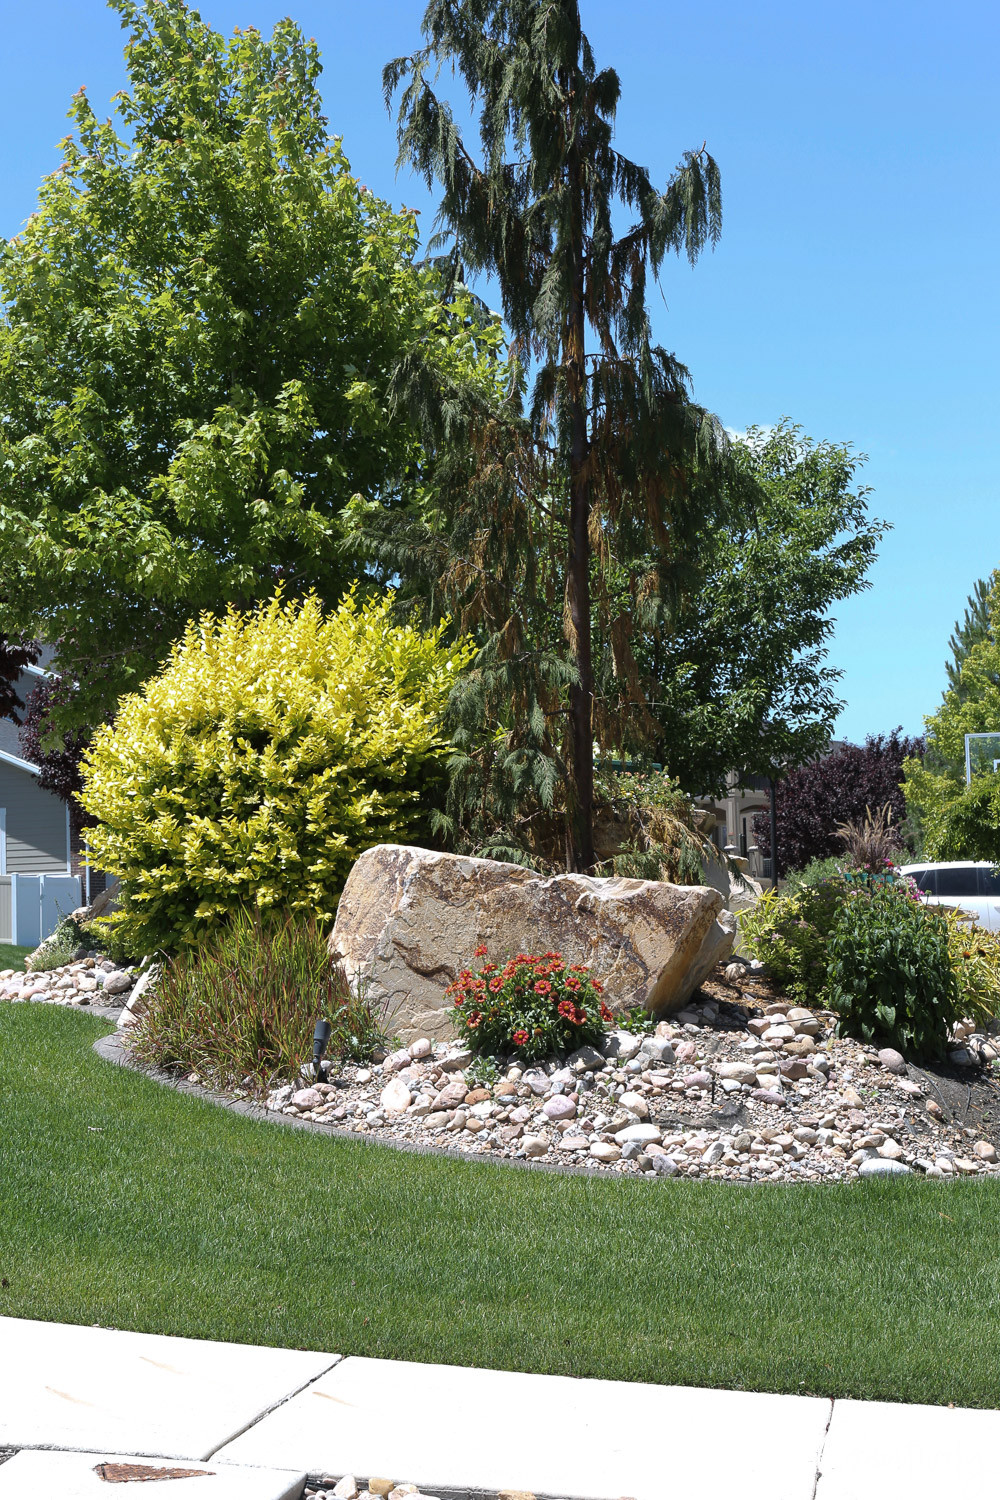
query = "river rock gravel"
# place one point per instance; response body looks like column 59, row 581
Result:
column 92, row 980
column 742, row 1085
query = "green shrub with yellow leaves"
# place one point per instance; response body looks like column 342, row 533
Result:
column 272, row 749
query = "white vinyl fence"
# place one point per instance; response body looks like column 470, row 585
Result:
column 31, row 906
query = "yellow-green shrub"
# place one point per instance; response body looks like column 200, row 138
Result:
column 271, row 749
column 975, row 958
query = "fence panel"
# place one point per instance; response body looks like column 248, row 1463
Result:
column 35, row 904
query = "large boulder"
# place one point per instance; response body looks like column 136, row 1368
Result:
column 409, row 921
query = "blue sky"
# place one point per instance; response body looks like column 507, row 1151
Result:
column 855, row 289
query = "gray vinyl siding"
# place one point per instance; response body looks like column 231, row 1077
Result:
column 37, row 836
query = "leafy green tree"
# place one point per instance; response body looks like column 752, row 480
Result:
column 960, row 822
column 200, row 331
column 575, row 514
column 737, row 676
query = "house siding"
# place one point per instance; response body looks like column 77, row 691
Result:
column 37, row 835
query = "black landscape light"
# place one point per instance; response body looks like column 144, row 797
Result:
column 320, row 1038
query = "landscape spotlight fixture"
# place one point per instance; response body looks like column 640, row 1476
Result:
column 320, row 1038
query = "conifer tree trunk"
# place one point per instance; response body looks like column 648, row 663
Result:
column 578, row 624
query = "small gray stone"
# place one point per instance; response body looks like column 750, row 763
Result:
column 586, row 1057
column 892, row 1060
column 880, row 1166
column 456, row 1060
column 118, row 981
column 621, row 1045
column 642, row 1134
column 659, row 1049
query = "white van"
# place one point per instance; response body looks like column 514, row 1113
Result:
column 975, row 887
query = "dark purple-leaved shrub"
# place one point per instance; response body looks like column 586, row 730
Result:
column 58, row 763
column 16, row 653
column 815, row 800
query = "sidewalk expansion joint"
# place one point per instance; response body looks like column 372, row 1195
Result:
column 822, row 1450
column 335, row 1360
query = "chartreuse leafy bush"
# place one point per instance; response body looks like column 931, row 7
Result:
column 975, row 958
column 240, row 1009
column 272, row 748
column 530, row 1006
column 889, row 972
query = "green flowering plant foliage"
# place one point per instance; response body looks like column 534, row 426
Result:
column 889, row 972
column 790, row 934
column 531, row 1006
column 637, row 1020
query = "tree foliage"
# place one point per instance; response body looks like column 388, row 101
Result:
column 970, row 630
column 200, row 330
column 575, row 512
column 738, row 677
column 815, row 800
column 960, row 822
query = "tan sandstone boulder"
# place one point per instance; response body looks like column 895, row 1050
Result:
column 410, row 919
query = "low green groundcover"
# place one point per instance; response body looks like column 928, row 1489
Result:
column 126, row 1204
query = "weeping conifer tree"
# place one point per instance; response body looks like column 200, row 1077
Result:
column 968, row 632
column 593, row 487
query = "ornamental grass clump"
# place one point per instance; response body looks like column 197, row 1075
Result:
column 272, row 748
column 532, row 1006
column 240, row 1010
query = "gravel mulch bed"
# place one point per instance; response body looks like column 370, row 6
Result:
column 741, row 1085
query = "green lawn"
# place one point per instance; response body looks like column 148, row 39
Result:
column 12, row 957
column 126, row 1204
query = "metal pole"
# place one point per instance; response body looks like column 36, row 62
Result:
column 774, row 833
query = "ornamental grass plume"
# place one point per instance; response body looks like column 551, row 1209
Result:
column 240, row 1010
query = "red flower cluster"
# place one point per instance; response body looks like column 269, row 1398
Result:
column 534, row 1003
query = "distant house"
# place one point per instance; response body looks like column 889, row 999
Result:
column 35, row 841
column 34, row 824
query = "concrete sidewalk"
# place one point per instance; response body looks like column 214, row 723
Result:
column 254, row 1422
